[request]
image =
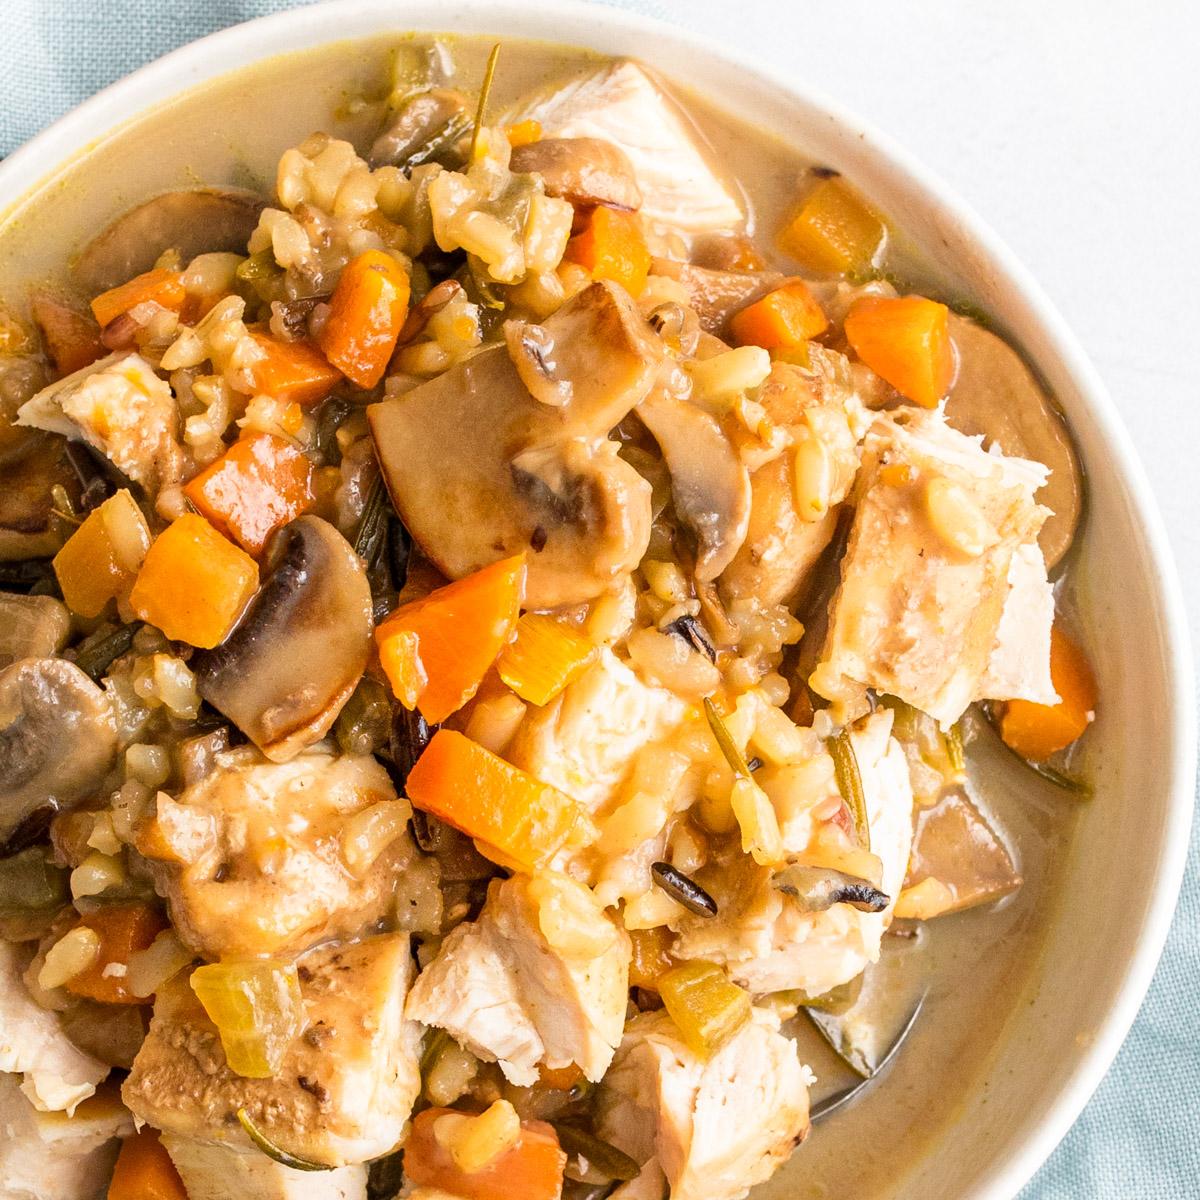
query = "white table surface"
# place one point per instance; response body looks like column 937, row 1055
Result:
column 1073, row 127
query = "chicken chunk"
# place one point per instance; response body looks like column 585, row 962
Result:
column 585, row 740
column 214, row 1172
column 542, row 977
column 621, row 104
column 121, row 408
column 347, row 1084
column 52, row 1156
column 58, row 1075
column 480, row 470
column 928, row 573
column 788, row 531
column 713, row 1129
column 253, row 861
column 767, row 941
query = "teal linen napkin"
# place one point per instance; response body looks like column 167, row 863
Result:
column 1139, row 1138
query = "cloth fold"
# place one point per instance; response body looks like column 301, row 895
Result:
column 1140, row 1135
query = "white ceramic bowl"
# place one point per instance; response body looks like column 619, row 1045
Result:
column 1128, row 854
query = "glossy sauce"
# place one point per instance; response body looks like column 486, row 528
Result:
column 978, row 966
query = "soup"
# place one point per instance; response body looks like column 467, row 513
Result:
column 610, row 462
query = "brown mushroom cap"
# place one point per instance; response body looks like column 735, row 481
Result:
column 479, row 470
column 196, row 221
column 717, row 294
column 997, row 395
column 423, row 119
column 57, row 738
column 284, row 673
column 586, row 171
column 31, row 627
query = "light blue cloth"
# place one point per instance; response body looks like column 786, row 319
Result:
column 1139, row 1138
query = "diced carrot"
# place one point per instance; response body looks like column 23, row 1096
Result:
column 489, row 799
column 782, row 319
column 160, row 286
column 123, row 929
column 524, row 132
column 1036, row 731
column 194, row 583
column 650, row 960
column 72, row 338
column 366, row 313
column 260, row 483
column 101, row 559
column 459, row 629
column 545, row 656
column 532, row 1169
column 905, row 340
column 144, row 1170
column 295, row 371
column 834, row 230
column 562, row 1079
column 612, row 246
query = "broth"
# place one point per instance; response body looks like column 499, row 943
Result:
column 981, row 964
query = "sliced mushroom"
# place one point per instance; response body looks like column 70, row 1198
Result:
column 195, row 221
column 33, row 463
column 957, row 845
column 57, row 738
column 531, row 349
column 715, row 294
column 816, row 889
column 427, row 124
column 997, row 395
column 586, row 171
column 709, row 482
column 478, row 469
column 865, row 1035
column 780, row 548
column 284, row 673
column 31, row 627
column 783, row 541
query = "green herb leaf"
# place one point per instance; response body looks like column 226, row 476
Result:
column 485, row 89
column 273, row 1151
column 733, row 756
column 849, row 781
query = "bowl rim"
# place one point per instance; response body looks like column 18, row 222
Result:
column 310, row 26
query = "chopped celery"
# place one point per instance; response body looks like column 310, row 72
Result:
column 257, row 1009
column 706, row 1006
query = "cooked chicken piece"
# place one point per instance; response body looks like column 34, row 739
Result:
column 927, row 571
column 715, row 1128
column 795, row 498
column 1020, row 658
column 766, row 939
column 252, row 859
column 585, row 171
column 52, row 1156
column 347, row 1084
column 621, row 104
column 542, row 977
column 213, row 1172
column 58, row 1075
column 480, row 470
column 121, row 408
column 717, row 294
column 584, row 741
